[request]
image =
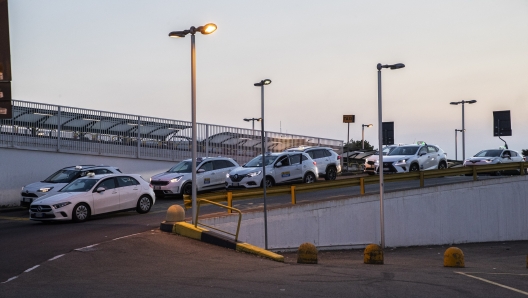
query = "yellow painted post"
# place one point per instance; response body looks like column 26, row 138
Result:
column 522, row 169
column 362, row 185
column 474, row 173
column 294, row 198
column 229, row 200
column 421, row 179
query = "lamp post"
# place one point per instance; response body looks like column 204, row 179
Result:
column 456, row 141
column 380, row 144
column 261, row 84
column 206, row 29
column 463, row 128
column 363, row 134
column 253, row 122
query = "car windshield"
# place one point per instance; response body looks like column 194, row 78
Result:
column 489, row 153
column 404, row 150
column 257, row 161
column 63, row 176
column 80, row 185
column 182, row 167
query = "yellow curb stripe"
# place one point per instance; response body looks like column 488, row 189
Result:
column 248, row 248
column 188, row 230
column 13, row 218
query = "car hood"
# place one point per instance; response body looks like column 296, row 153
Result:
column 33, row 187
column 245, row 171
column 393, row 158
column 374, row 157
column 60, row 197
column 481, row 158
column 166, row 176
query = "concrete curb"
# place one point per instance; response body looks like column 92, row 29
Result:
column 204, row 235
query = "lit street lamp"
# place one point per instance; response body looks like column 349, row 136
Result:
column 253, row 122
column 456, row 141
column 380, row 143
column 206, row 29
column 261, row 84
column 463, row 128
column 363, row 134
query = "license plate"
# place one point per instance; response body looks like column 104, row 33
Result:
column 157, row 187
column 38, row 214
column 26, row 200
column 235, row 183
column 385, row 169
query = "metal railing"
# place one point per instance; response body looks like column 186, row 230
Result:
column 45, row 127
column 230, row 208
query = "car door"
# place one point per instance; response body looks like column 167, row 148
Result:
column 283, row 170
column 434, row 157
column 206, row 178
column 108, row 199
column 297, row 166
column 129, row 191
column 320, row 159
column 423, row 157
column 222, row 167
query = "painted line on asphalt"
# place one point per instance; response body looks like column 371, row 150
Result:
column 55, row 257
column 494, row 283
column 10, row 279
column 31, row 269
column 126, row 236
column 13, row 218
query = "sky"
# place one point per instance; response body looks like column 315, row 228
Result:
column 115, row 55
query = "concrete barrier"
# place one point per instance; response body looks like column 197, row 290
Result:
column 454, row 257
column 307, row 254
column 373, row 254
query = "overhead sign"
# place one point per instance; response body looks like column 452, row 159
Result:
column 349, row 118
column 387, row 130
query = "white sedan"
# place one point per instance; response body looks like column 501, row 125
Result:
column 93, row 195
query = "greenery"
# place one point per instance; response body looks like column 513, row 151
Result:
column 525, row 152
column 356, row 145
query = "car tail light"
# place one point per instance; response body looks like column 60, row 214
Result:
column 150, row 185
column 338, row 157
column 315, row 163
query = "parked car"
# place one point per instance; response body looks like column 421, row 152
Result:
column 285, row 167
column 95, row 194
column 494, row 156
column 371, row 163
column 210, row 174
column 328, row 161
column 410, row 158
column 51, row 185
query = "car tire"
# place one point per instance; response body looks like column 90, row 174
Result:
column 442, row 165
column 331, row 173
column 414, row 168
column 187, row 189
column 269, row 182
column 144, row 204
column 81, row 212
column 309, row 178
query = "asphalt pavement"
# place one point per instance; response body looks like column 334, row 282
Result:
column 159, row 264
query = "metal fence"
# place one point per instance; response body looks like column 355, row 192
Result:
column 45, row 127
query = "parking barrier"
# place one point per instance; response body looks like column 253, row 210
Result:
column 454, row 257
column 307, row 254
column 373, row 254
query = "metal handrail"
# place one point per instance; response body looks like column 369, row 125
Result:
column 223, row 206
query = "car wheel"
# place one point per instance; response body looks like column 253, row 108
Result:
column 309, row 178
column 414, row 168
column 144, row 204
column 187, row 189
column 442, row 165
column 331, row 173
column 269, row 182
column 80, row 213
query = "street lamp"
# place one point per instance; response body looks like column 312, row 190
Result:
column 253, row 122
column 456, row 141
column 380, row 143
column 261, row 84
column 206, row 29
column 363, row 134
column 463, row 128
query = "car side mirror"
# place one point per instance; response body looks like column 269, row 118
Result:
column 100, row 189
column 200, row 171
column 423, row 153
column 278, row 165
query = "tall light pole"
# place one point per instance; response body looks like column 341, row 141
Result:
column 261, row 84
column 380, row 144
column 253, row 122
column 206, row 29
column 456, row 141
column 363, row 134
column 463, row 127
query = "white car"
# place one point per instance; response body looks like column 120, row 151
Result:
column 410, row 158
column 282, row 167
column 371, row 163
column 93, row 195
column 328, row 161
column 494, row 156
column 51, row 185
column 210, row 174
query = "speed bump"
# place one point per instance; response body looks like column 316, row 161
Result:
column 454, row 257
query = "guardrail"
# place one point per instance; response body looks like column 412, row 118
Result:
column 223, row 206
column 231, row 195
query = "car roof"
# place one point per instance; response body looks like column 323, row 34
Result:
column 86, row 167
column 200, row 159
column 306, row 148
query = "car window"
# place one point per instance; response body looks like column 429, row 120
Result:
column 63, row 176
column 207, row 166
column 407, row 150
column 327, row 153
column 506, row 153
column 126, row 181
column 80, row 185
column 107, row 184
column 295, row 159
column 311, row 154
column 304, row 157
column 489, row 153
column 513, row 153
column 284, row 160
column 101, row 171
column 432, row 149
column 422, row 150
column 228, row 163
column 318, row 154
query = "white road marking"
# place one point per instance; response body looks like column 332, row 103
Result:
column 56, row 257
column 30, row 269
column 494, row 283
column 126, row 236
column 14, row 277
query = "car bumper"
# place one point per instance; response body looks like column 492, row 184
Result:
column 54, row 215
column 166, row 190
column 246, row 182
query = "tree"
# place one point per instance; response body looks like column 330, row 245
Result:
column 356, row 145
column 525, row 152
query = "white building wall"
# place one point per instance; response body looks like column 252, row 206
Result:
column 481, row 211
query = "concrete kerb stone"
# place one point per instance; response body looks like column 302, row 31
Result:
column 175, row 214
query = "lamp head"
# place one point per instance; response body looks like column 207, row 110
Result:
column 370, row 125
column 454, row 103
column 247, row 120
column 397, row 66
column 262, row 83
column 207, row 29
column 178, row 34
column 471, row 101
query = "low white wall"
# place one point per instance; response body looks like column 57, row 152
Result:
column 21, row 167
column 481, row 211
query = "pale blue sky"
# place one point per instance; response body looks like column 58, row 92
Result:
column 115, row 55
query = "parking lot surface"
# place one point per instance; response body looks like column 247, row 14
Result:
column 158, row 264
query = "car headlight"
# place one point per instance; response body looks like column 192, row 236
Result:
column 253, row 174
column 176, row 179
column 402, row 161
column 227, row 175
column 377, row 161
column 45, row 189
column 60, row 205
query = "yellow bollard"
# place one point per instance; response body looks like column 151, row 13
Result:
column 422, row 179
column 454, row 257
column 229, row 200
column 362, row 185
column 293, row 197
column 526, row 261
column 307, row 254
column 373, row 254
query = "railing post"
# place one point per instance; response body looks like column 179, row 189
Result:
column 229, row 201
column 362, row 185
column 58, row 128
column 474, row 173
column 293, row 197
column 522, row 172
column 138, row 136
column 422, row 179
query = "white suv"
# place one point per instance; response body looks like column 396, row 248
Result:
column 327, row 160
column 371, row 163
column 280, row 168
column 210, row 174
column 51, row 185
column 410, row 158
